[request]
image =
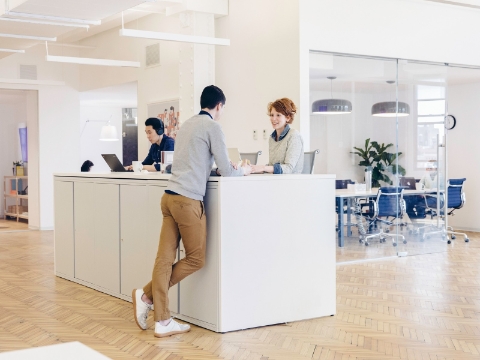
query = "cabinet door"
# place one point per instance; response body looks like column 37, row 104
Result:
column 84, row 201
column 64, row 232
column 155, row 221
column 106, row 208
column 199, row 291
column 136, row 269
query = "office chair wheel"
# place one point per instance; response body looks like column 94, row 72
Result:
column 453, row 237
column 404, row 241
column 366, row 243
column 449, row 241
column 394, row 244
column 467, row 240
column 387, row 230
column 360, row 240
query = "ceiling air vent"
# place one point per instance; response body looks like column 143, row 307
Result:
column 28, row 72
column 152, row 55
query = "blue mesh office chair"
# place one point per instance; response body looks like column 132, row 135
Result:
column 388, row 204
column 456, row 200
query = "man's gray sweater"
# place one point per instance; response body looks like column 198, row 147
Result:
column 199, row 142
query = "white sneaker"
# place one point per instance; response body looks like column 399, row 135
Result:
column 140, row 309
column 172, row 328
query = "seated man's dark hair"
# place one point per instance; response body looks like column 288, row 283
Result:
column 211, row 96
column 156, row 124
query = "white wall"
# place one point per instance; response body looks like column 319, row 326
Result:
column 154, row 84
column 336, row 135
column 11, row 114
column 463, row 150
column 91, row 147
column 260, row 66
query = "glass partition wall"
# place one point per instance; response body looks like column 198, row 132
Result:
column 380, row 127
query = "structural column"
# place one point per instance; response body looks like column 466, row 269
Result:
column 197, row 62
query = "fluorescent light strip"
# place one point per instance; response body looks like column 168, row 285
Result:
column 13, row 51
column 90, row 61
column 45, row 23
column 174, row 37
column 54, row 18
column 28, row 37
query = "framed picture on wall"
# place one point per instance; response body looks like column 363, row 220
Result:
column 168, row 111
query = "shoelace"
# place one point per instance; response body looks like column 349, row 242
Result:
column 145, row 315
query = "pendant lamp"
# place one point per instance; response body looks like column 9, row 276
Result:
column 331, row 106
column 389, row 108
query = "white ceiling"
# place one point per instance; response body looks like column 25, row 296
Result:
column 108, row 11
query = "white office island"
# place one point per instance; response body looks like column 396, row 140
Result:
column 270, row 245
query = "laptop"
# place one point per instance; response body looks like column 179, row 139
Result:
column 408, row 183
column 114, row 164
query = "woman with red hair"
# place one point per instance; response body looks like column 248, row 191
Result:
column 285, row 144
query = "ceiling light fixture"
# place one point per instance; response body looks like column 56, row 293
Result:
column 53, row 18
column 90, row 61
column 142, row 34
column 45, row 23
column 331, row 106
column 28, row 37
column 13, row 51
column 389, row 108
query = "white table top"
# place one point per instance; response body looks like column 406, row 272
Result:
column 160, row 176
column 71, row 351
column 351, row 193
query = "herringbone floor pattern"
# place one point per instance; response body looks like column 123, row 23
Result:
column 419, row 307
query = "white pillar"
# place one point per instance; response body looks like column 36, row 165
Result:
column 197, row 62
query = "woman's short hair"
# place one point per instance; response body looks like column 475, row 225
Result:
column 86, row 166
column 284, row 106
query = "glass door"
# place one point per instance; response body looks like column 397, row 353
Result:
column 422, row 92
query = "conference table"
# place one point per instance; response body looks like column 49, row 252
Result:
column 350, row 195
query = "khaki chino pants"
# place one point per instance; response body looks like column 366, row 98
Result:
column 183, row 218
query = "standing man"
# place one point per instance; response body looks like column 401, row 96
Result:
column 154, row 128
column 199, row 142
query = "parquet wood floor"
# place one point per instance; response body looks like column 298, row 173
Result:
column 423, row 307
column 13, row 225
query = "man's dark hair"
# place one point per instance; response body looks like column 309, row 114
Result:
column 211, row 96
column 86, row 166
column 156, row 124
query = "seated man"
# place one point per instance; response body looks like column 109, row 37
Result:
column 154, row 129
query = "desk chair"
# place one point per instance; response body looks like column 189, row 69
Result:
column 389, row 203
column 456, row 200
column 252, row 157
column 309, row 161
column 342, row 184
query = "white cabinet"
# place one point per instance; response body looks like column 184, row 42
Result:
column 97, row 249
column 64, row 237
column 140, row 224
column 199, row 291
column 84, row 198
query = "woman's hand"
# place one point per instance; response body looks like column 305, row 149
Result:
column 129, row 167
column 258, row 169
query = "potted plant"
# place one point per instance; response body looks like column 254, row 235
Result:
column 18, row 169
column 381, row 161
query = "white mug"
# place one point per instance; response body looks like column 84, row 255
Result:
column 419, row 186
column 136, row 165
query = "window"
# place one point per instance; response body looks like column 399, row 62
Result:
column 430, row 122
